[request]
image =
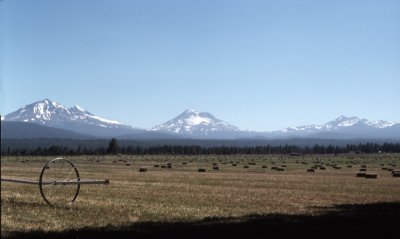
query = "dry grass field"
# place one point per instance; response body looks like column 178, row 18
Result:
column 179, row 201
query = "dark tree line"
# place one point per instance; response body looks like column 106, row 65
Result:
column 114, row 148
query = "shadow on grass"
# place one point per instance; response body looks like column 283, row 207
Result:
column 380, row 220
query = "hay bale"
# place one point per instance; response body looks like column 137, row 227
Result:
column 349, row 166
column 234, row 165
column 396, row 173
column 280, row 169
column 215, row 168
column 201, row 170
column 246, row 166
column 184, row 163
column 274, row 168
column 361, row 174
column 371, row 175
column 264, row 166
column 311, row 170
column 363, row 169
column 163, row 166
column 156, row 165
column 142, row 170
column 322, row 168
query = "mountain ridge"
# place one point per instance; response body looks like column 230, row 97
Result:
column 192, row 124
column 28, row 130
column 341, row 127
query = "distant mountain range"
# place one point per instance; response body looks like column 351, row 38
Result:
column 58, row 121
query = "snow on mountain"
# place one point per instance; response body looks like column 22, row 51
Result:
column 302, row 128
column 204, row 125
column 339, row 123
column 194, row 123
column 51, row 113
column 343, row 121
column 381, row 124
column 191, row 124
column 40, row 112
column 79, row 113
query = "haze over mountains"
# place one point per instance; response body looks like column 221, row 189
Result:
column 58, row 121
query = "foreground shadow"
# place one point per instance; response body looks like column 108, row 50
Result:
column 380, row 220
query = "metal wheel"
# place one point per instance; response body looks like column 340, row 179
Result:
column 59, row 182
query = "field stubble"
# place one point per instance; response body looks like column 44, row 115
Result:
column 180, row 193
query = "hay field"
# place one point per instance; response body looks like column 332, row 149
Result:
column 182, row 194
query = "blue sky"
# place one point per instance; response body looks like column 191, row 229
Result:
column 260, row 65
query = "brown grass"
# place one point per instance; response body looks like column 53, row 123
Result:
column 180, row 194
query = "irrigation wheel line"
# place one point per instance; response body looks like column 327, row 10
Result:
column 55, row 179
column 59, row 182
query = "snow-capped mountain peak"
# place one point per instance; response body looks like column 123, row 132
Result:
column 343, row 121
column 193, row 117
column 40, row 112
column 381, row 124
column 54, row 114
column 194, row 123
column 78, row 108
column 190, row 111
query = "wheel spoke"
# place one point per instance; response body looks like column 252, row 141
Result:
column 57, row 171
